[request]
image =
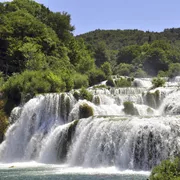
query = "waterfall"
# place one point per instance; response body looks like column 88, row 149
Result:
column 131, row 143
column 50, row 128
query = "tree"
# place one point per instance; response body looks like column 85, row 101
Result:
column 154, row 61
column 100, row 54
column 106, row 68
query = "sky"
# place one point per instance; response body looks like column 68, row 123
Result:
column 88, row 15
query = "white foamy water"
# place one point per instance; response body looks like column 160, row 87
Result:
column 48, row 129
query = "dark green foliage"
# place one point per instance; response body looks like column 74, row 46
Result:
column 96, row 76
column 139, row 74
column 174, row 70
column 124, row 69
column 85, row 94
column 80, row 81
column 110, row 82
column 129, row 108
column 158, row 82
column 167, row 170
column 128, row 54
column 155, row 60
column 106, row 68
column 101, row 54
column 31, row 82
column 150, row 52
column 85, row 111
column 123, row 82
column 76, row 95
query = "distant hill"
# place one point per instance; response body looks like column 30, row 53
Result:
column 135, row 52
column 116, row 39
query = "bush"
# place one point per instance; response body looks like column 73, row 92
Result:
column 167, row 170
column 80, row 81
column 174, row 70
column 106, row 68
column 124, row 69
column 85, row 94
column 76, row 95
column 140, row 74
column 129, row 108
column 96, row 76
column 31, row 83
column 85, row 111
column 158, row 82
column 123, row 82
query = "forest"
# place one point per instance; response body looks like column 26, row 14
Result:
column 136, row 53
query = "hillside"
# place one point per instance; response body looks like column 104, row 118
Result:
column 134, row 52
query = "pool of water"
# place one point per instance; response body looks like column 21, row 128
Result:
column 34, row 171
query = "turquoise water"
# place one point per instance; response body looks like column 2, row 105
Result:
column 32, row 171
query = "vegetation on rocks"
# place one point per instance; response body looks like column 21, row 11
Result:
column 129, row 108
column 85, row 111
column 167, row 170
column 158, row 82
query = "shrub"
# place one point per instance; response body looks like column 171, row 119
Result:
column 76, row 95
column 163, row 74
column 158, row 82
column 96, row 76
column 31, row 83
column 106, row 68
column 174, row 70
column 167, row 170
column 129, row 108
column 140, row 74
column 124, row 69
column 85, row 94
column 80, row 81
column 85, row 111
column 123, row 82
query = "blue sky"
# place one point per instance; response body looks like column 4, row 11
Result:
column 88, row 15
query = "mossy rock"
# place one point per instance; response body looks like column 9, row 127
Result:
column 153, row 99
column 129, row 108
column 85, row 111
column 96, row 100
column 149, row 111
column 76, row 95
column 110, row 82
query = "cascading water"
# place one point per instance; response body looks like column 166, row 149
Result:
column 48, row 128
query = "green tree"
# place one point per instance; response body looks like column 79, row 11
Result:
column 128, row 53
column 106, row 68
